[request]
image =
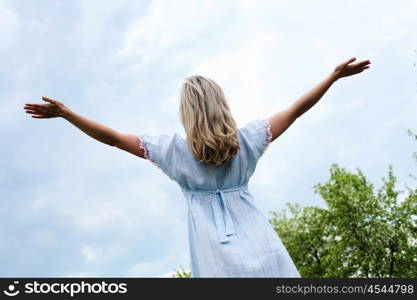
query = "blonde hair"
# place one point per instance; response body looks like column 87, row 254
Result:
column 210, row 128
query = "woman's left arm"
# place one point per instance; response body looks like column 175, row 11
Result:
column 344, row 69
column 283, row 119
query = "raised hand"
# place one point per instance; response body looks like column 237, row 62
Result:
column 52, row 109
column 345, row 69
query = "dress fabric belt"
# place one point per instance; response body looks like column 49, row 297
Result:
column 222, row 218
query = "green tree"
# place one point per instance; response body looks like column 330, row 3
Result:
column 361, row 233
column 181, row 273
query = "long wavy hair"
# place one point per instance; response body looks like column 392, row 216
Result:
column 210, row 128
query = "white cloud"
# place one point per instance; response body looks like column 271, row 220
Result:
column 88, row 252
column 10, row 25
column 168, row 24
column 44, row 237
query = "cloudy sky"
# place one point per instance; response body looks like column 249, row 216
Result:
column 72, row 206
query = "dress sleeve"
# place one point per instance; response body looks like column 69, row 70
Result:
column 160, row 150
column 257, row 136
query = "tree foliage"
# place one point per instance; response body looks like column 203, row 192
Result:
column 181, row 273
column 361, row 233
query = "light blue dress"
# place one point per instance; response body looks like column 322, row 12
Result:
column 228, row 236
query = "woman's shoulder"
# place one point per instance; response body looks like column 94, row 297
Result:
column 255, row 126
column 179, row 140
column 255, row 137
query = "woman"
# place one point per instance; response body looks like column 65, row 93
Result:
column 228, row 235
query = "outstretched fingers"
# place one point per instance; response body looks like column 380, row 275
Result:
column 352, row 59
column 363, row 63
column 36, row 110
column 50, row 100
column 31, row 111
column 359, row 67
column 41, row 116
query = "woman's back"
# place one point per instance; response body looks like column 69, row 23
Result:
column 228, row 235
column 171, row 155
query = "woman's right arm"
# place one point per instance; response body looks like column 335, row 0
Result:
column 283, row 119
column 56, row 108
column 92, row 128
column 100, row 132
